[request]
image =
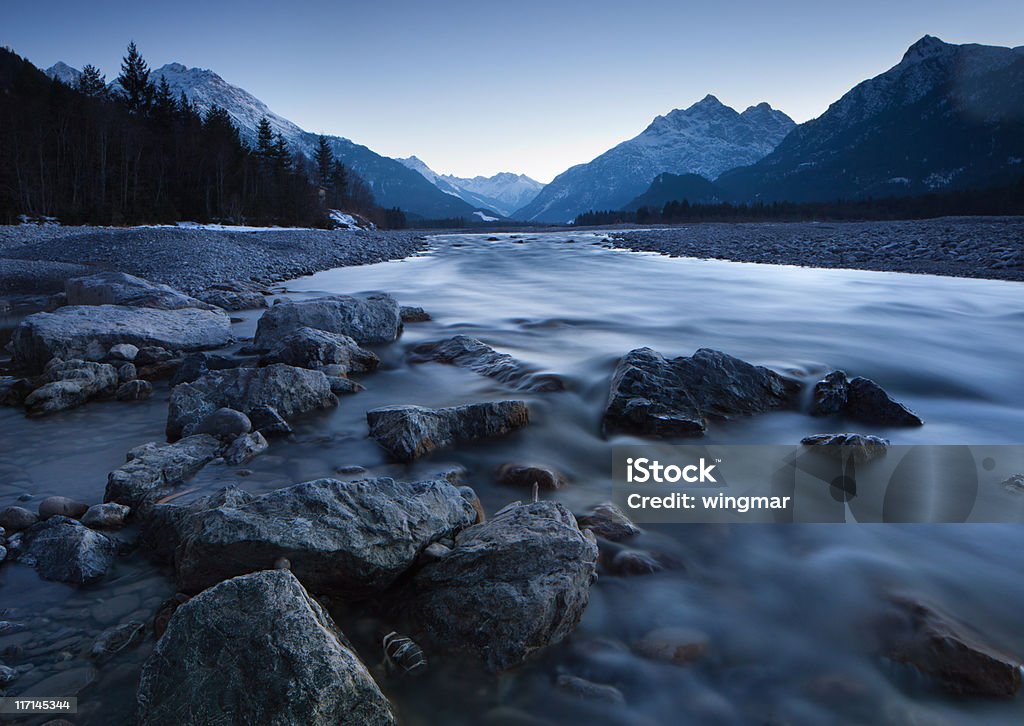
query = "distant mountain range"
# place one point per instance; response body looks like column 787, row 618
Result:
column 676, row 187
column 505, row 192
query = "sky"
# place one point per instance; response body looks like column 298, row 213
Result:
column 522, row 85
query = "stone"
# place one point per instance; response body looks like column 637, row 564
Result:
column 197, row 365
column 137, row 390
column 155, row 468
column 108, row 515
column 66, row 550
column 123, row 351
column 152, row 354
column 608, row 522
column 861, row 448
column 409, row 432
column 289, row 390
column 653, row 396
column 119, row 288
column 829, row 395
column 127, row 372
column 343, row 386
column 268, row 421
column 15, row 518
column 257, row 649
column 312, row 348
column 87, row 332
column 589, row 691
column 370, row 319
column 526, row 476
column 675, row 645
column 226, row 424
column 234, row 299
column 509, row 586
column 634, row 562
column 61, row 506
column 163, row 614
column 116, row 640
column 13, row 390
column 245, row 448
column 412, row 314
column 477, row 356
column 1014, row 484
column 859, row 399
column 352, row 538
column 70, row 384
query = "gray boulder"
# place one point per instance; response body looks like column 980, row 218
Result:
column 106, row 516
column 66, row 550
column 312, row 348
column 525, row 477
column 509, row 586
column 226, row 424
column 408, row 432
column 154, row 468
column 122, row 352
column 233, row 297
column 859, row 399
column 88, row 332
column 127, row 372
column 481, row 358
column 57, row 506
column 15, row 518
column 861, row 448
column 166, row 525
column 69, row 384
column 653, row 396
column 136, row 390
column 370, row 319
column 257, row 649
column 245, row 448
column 197, row 365
column 268, row 421
column 350, row 538
column 119, row 288
column 413, row 314
column 289, row 390
column 608, row 522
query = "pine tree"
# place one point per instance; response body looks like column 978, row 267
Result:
column 92, row 82
column 339, row 184
column 137, row 91
column 281, row 155
column 324, row 162
column 163, row 101
column 264, row 139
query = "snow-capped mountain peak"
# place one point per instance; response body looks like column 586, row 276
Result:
column 64, row 73
column 505, row 192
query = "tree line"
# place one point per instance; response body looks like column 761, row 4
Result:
column 133, row 153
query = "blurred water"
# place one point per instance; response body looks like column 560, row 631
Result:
column 786, row 610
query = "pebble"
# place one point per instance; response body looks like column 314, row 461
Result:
column 61, row 506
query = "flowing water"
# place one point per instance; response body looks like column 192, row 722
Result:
column 786, row 610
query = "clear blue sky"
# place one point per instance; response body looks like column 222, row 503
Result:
column 522, row 85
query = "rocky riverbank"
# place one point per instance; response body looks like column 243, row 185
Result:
column 987, row 247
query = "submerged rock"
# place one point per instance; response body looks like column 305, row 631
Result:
column 676, row 645
column 120, row 288
column 589, row 691
column 154, row 468
column 608, row 522
column 245, row 448
column 509, row 586
column 859, row 399
column 289, row 390
column 412, row 314
column 653, row 396
column 257, row 649
column 481, row 358
column 65, row 550
column 70, row 384
column 526, row 476
column 350, row 538
column 408, row 432
column 370, row 319
column 859, row 447
column 117, row 639
column 312, row 348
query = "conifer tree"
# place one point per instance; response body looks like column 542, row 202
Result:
column 92, row 82
column 136, row 89
column 163, row 101
column 324, row 162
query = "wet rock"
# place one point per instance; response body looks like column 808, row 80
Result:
column 268, row 421
column 860, row 399
column 160, row 371
column 13, row 391
column 411, row 314
column 289, row 390
column 609, row 522
column 859, row 447
column 634, row 562
column 70, row 384
column 589, row 691
column 1014, row 484
column 119, row 288
column 109, row 515
column 197, row 365
column 518, row 582
column 3, row 554
column 526, row 476
column 408, row 432
column 162, row 617
column 226, row 424
column 653, row 396
column 679, row 646
column 350, row 538
column 123, row 352
column 151, row 355
column 829, row 396
column 7, row 675
column 66, row 550
column 154, row 468
column 343, row 386
column 116, row 640
column 233, row 297
column 15, row 519
column 263, row 635
column 61, row 506
column 127, row 372
column 137, row 390
column 168, row 524
column 87, row 332
column 370, row 319
column 245, row 448
column 477, row 356
column 312, row 348
column 470, row 495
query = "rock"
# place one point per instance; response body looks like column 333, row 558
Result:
column 470, row 495
column 942, row 649
column 137, row 390
column 526, row 476
column 343, row 386
column 589, row 691
column 1014, row 484
column 117, row 639
column 652, row 396
column 859, row 399
column 151, row 355
column 370, row 319
column 127, row 372
column 608, row 521
column 13, row 391
column 479, row 357
column 109, row 515
column 234, row 299
column 119, row 288
column 860, row 447
column 226, row 424
column 634, row 562
column 7, row 675
column 268, row 421
column 679, row 646
column 408, row 432
column 16, row 518
column 245, row 448
column 123, row 351
column 154, row 468
column 3, row 554
column 197, row 365
column 510, row 586
column 312, row 348
column 162, row 617
column 257, row 649
column 411, row 314
column 168, row 524
column 289, row 390
column 88, row 332
column 61, row 506
column 66, row 550
column 350, row 538
column 70, row 384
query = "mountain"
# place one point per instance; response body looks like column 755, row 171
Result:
column 393, row 184
column 675, row 188
column 945, row 117
column 61, row 71
column 504, row 192
column 707, row 138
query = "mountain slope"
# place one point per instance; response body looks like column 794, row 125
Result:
column 707, row 138
column 675, row 188
column 64, row 73
column 504, row 192
column 945, row 117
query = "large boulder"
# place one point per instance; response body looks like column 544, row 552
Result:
column 859, row 399
column 65, row 550
column 120, row 288
column 289, row 390
column 481, row 358
column 352, row 538
column 312, row 348
column 509, row 586
column 370, row 319
column 654, row 396
column 257, row 649
column 88, row 332
column 408, row 432
column 69, row 384
column 154, row 469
